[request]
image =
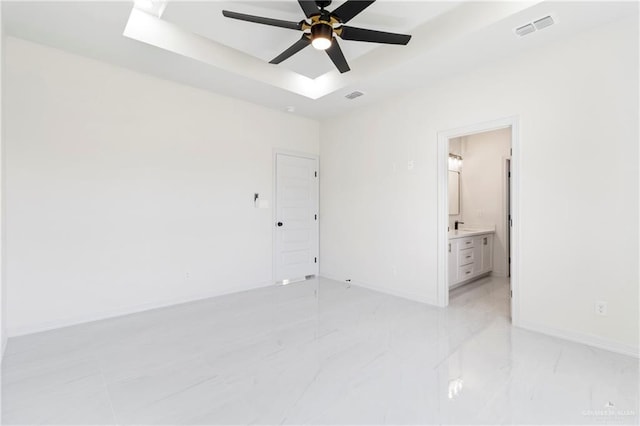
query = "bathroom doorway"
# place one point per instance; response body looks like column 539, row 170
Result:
column 477, row 183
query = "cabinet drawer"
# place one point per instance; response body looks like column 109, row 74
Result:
column 465, row 243
column 465, row 272
column 466, row 256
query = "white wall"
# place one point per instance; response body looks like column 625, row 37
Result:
column 577, row 101
column 483, row 188
column 125, row 192
column 3, row 298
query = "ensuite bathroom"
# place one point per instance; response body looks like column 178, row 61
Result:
column 479, row 188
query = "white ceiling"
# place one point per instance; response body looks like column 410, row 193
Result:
column 448, row 37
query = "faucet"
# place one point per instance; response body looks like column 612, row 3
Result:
column 456, row 223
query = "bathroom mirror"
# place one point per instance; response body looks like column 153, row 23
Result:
column 454, row 192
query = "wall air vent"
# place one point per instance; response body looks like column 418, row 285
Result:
column 525, row 29
column 354, row 95
column 538, row 24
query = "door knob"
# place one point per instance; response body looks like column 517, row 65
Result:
column 279, row 224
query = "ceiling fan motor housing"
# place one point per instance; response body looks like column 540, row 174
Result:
column 321, row 30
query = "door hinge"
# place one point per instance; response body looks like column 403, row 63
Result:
column 315, row 217
column 315, row 174
column 511, row 293
column 509, row 174
column 510, row 151
column 315, row 260
column 509, row 260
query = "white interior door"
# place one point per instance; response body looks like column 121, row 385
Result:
column 296, row 229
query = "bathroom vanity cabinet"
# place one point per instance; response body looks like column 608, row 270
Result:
column 470, row 256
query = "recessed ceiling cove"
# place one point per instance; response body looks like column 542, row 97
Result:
column 199, row 31
column 322, row 28
column 265, row 43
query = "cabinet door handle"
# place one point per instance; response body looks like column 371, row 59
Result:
column 449, row 247
column 468, row 257
column 468, row 242
column 485, row 241
column 467, row 273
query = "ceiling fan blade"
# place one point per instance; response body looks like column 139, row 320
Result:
column 350, row 9
column 309, row 8
column 336, row 55
column 295, row 48
column 262, row 20
column 372, row 36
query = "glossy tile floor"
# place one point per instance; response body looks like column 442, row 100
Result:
column 317, row 352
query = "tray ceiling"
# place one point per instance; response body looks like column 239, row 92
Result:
column 447, row 38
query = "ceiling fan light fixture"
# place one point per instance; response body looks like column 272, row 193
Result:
column 321, row 36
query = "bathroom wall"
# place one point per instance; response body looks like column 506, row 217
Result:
column 455, row 147
column 483, row 188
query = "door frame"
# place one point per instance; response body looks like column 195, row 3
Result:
column 443, row 209
column 274, row 210
column 506, row 208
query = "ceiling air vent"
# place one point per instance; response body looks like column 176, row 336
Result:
column 538, row 24
column 354, row 95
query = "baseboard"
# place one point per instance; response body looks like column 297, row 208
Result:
column 585, row 339
column 392, row 292
column 83, row 319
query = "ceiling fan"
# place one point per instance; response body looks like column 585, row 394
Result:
column 320, row 32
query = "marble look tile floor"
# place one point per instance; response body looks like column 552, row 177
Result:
column 317, row 352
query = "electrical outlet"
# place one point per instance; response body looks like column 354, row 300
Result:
column 410, row 165
column 601, row 307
